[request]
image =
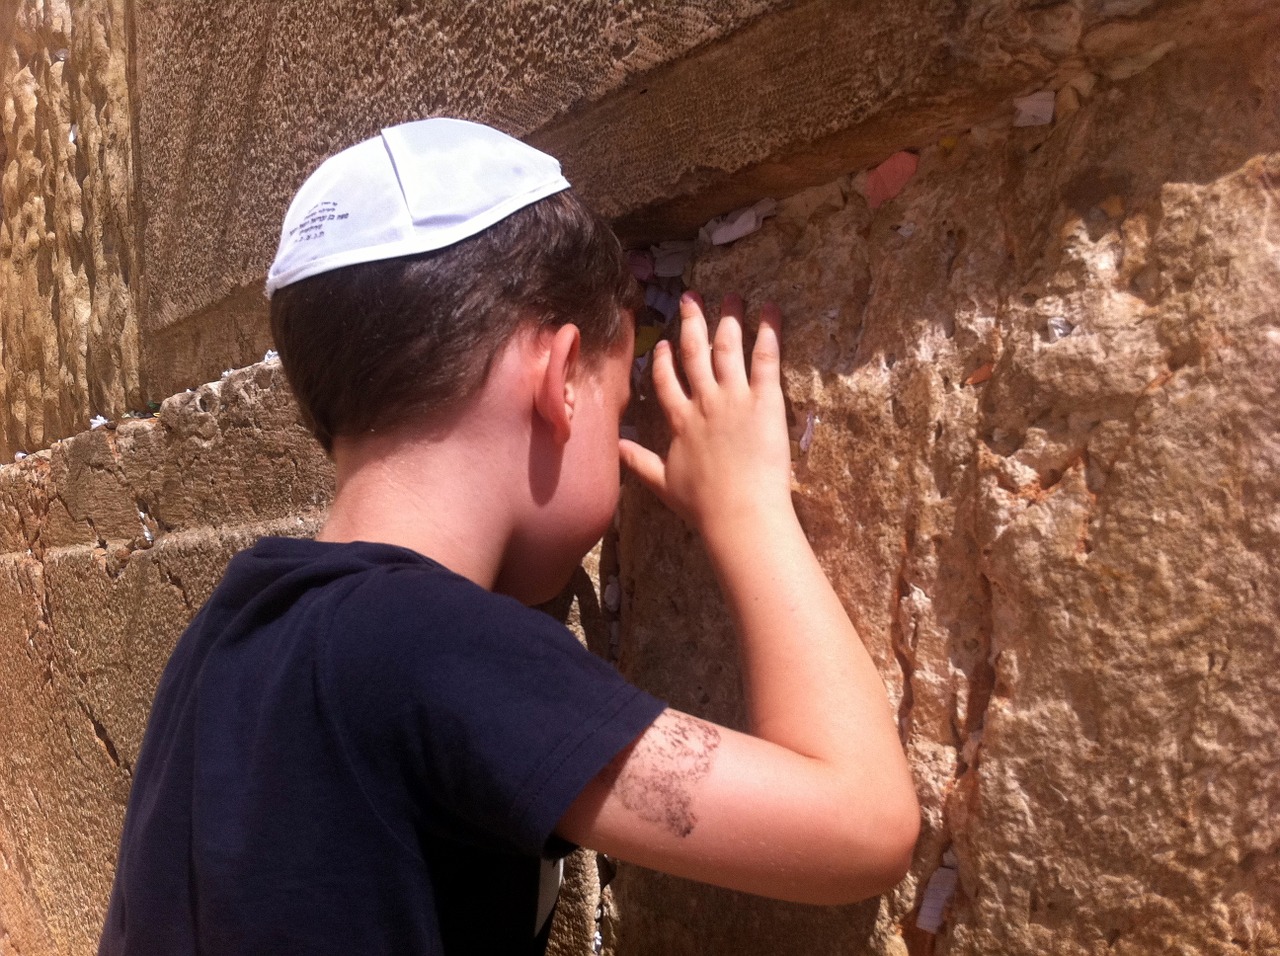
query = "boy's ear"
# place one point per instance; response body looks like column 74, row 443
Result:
column 557, row 393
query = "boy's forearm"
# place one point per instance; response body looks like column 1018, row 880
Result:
column 816, row 803
column 811, row 685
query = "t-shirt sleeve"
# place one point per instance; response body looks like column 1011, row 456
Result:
column 467, row 716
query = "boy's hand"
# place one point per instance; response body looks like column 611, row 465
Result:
column 730, row 459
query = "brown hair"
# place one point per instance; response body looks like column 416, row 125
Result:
column 373, row 346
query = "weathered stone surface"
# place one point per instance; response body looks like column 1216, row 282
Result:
column 774, row 105
column 230, row 451
column 724, row 105
column 574, row 928
column 68, row 325
column 1043, row 480
column 219, row 161
column 573, row 931
column 810, row 92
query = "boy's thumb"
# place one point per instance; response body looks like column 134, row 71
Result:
column 645, row 465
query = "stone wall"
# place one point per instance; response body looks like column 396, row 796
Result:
column 68, row 319
column 1041, row 379
column 1045, row 382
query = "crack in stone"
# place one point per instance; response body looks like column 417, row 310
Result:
column 102, row 542
column 45, row 608
column 903, row 650
column 980, row 678
column 983, row 679
column 104, row 738
column 176, row 581
column 45, row 625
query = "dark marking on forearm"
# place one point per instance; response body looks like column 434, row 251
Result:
column 660, row 774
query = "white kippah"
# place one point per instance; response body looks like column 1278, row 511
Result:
column 416, row 187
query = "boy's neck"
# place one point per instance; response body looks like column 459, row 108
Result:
column 444, row 499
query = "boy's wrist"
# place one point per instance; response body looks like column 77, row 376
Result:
column 737, row 527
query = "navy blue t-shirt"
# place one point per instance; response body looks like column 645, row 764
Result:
column 355, row 750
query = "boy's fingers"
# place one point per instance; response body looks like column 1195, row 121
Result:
column 645, row 465
column 766, row 357
column 726, row 353
column 666, row 385
column 695, row 347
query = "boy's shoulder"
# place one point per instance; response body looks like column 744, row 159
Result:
column 385, row 612
column 371, row 583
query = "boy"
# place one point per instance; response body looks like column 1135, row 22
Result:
column 367, row 743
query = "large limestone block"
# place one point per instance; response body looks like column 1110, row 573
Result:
column 810, row 92
column 237, row 103
column 1043, row 480
column 68, row 267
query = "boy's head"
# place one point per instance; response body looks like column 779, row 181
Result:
column 409, row 261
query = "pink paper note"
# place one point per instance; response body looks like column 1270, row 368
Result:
column 887, row 180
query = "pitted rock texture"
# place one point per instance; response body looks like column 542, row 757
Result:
column 68, row 324
column 1043, row 478
column 219, row 161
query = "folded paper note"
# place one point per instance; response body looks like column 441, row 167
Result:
column 888, row 179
